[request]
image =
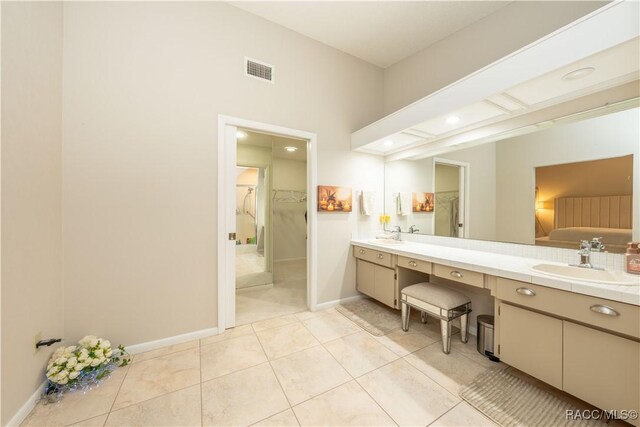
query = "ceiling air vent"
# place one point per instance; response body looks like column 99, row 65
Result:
column 258, row 70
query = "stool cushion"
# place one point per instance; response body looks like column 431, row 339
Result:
column 439, row 295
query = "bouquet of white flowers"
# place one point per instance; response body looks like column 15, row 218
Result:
column 82, row 365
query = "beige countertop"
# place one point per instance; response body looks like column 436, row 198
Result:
column 511, row 267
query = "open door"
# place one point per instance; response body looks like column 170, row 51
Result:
column 228, row 243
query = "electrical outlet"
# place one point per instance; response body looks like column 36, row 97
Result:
column 36, row 338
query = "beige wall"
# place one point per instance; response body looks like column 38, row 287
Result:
column 140, row 156
column 289, row 227
column 608, row 136
column 604, row 177
column 32, row 294
column 478, row 45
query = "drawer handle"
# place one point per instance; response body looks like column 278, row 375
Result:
column 526, row 291
column 604, row 309
column 413, row 263
column 380, row 256
column 362, row 251
column 456, row 274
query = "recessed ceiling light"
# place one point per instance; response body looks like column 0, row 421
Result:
column 241, row 134
column 388, row 143
column 452, row 120
column 578, row 74
column 291, row 149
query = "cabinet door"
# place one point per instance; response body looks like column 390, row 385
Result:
column 385, row 285
column 365, row 278
column 531, row 342
column 601, row 368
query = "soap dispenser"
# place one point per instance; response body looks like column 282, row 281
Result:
column 633, row 258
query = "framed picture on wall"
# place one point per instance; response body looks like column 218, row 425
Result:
column 334, row 199
column 422, row 202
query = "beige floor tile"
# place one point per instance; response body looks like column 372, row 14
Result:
column 283, row 419
column 274, row 323
column 403, row 343
column 452, row 371
column 279, row 342
column 347, row 405
column 92, row 422
column 230, row 356
column 166, row 350
column 242, row 398
column 407, row 394
column 463, row 415
column 78, row 406
column 308, row 373
column 236, row 332
column 331, row 327
column 180, row 408
column 359, row 353
column 306, row 315
column 470, row 350
column 155, row 377
column 287, row 296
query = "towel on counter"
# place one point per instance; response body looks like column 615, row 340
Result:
column 367, row 201
column 403, row 204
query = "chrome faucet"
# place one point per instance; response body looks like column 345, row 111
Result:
column 585, row 254
column 396, row 232
column 596, row 245
column 413, row 229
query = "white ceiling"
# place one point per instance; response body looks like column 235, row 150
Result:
column 276, row 144
column 379, row 32
column 612, row 67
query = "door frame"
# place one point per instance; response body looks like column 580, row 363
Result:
column 464, row 183
column 226, row 287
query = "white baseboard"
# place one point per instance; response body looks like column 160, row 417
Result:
column 28, row 406
column 331, row 304
column 176, row 339
column 290, row 259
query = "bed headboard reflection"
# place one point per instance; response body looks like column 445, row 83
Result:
column 602, row 211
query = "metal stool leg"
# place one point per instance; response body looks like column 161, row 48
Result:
column 423, row 317
column 464, row 328
column 406, row 313
column 445, row 331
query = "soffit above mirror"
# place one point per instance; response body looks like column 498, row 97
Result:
column 598, row 54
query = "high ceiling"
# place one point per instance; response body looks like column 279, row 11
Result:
column 379, row 32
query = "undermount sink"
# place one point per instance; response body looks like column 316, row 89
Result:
column 586, row 274
column 386, row 241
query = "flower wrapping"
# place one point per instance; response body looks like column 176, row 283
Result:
column 82, row 366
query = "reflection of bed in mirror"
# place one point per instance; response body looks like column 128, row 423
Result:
column 583, row 218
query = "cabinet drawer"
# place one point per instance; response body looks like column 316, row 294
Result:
column 614, row 316
column 414, row 264
column 601, row 368
column 472, row 278
column 371, row 255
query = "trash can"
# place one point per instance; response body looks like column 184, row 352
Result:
column 485, row 334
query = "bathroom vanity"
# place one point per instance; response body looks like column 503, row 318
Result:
column 580, row 337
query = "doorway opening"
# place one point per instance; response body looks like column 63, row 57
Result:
column 450, row 198
column 271, row 226
column 267, row 255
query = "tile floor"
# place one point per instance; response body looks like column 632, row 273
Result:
column 288, row 294
column 299, row 369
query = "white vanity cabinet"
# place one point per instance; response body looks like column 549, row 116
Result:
column 584, row 345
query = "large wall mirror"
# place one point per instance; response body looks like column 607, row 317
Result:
column 567, row 181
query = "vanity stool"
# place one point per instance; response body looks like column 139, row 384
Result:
column 439, row 301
